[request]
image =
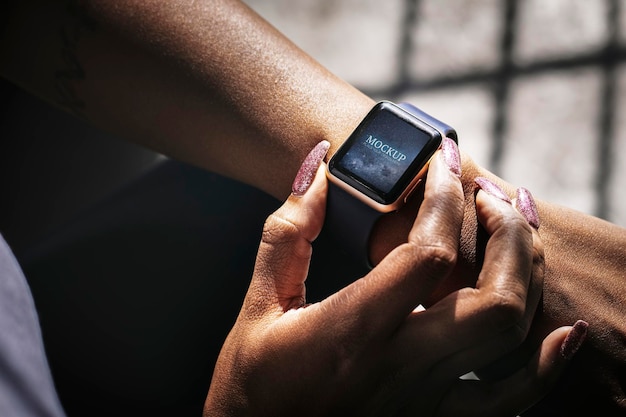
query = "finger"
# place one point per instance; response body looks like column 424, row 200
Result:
column 284, row 253
column 513, row 395
column 404, row 278
column 513, row 360
column 508, row 340
column 525, row 204
column 512, row 272
column 474, row 326
column 509, row 252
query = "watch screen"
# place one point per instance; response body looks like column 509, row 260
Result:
column 385, row 152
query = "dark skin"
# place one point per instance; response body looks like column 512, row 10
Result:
column 355, row 353
column 274, row 104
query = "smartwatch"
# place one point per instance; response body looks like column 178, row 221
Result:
column 377, row 168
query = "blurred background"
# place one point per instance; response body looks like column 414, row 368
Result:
column 536, row 89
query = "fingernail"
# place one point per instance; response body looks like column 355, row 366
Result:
column 309, row 167
column 451, row 155
column 574, row 339
column 525, row 204
column 491, row 188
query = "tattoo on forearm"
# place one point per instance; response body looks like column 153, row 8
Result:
column 75, row 26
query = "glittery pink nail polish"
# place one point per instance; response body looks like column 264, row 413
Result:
column 574, row 339
column 451, row 155
column 525, row 204
column 309, row 167
column 491, row 188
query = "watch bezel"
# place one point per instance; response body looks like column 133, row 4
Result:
column 399, row 193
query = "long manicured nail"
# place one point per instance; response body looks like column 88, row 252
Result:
column 525, row 204
column 451, row 155
column 574, row 339
column 309, row 167
column 491, row 188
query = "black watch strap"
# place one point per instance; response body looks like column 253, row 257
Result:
column 351, row 222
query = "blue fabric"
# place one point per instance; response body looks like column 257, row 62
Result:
column 26, row 386
column 136, row 294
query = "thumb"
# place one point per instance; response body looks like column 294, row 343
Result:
column 518, row 392
column 282, row 263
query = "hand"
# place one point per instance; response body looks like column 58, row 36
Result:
column 584, row 278
column 367, row 349
column 585, row 264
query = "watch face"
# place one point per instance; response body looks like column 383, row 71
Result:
column 385, row 153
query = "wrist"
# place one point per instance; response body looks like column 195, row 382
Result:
column 378, row 168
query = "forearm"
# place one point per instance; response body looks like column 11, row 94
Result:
column 209, row 83
column 212, row 84
column 585, row 277
column 581, row 250
column 586, row 263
